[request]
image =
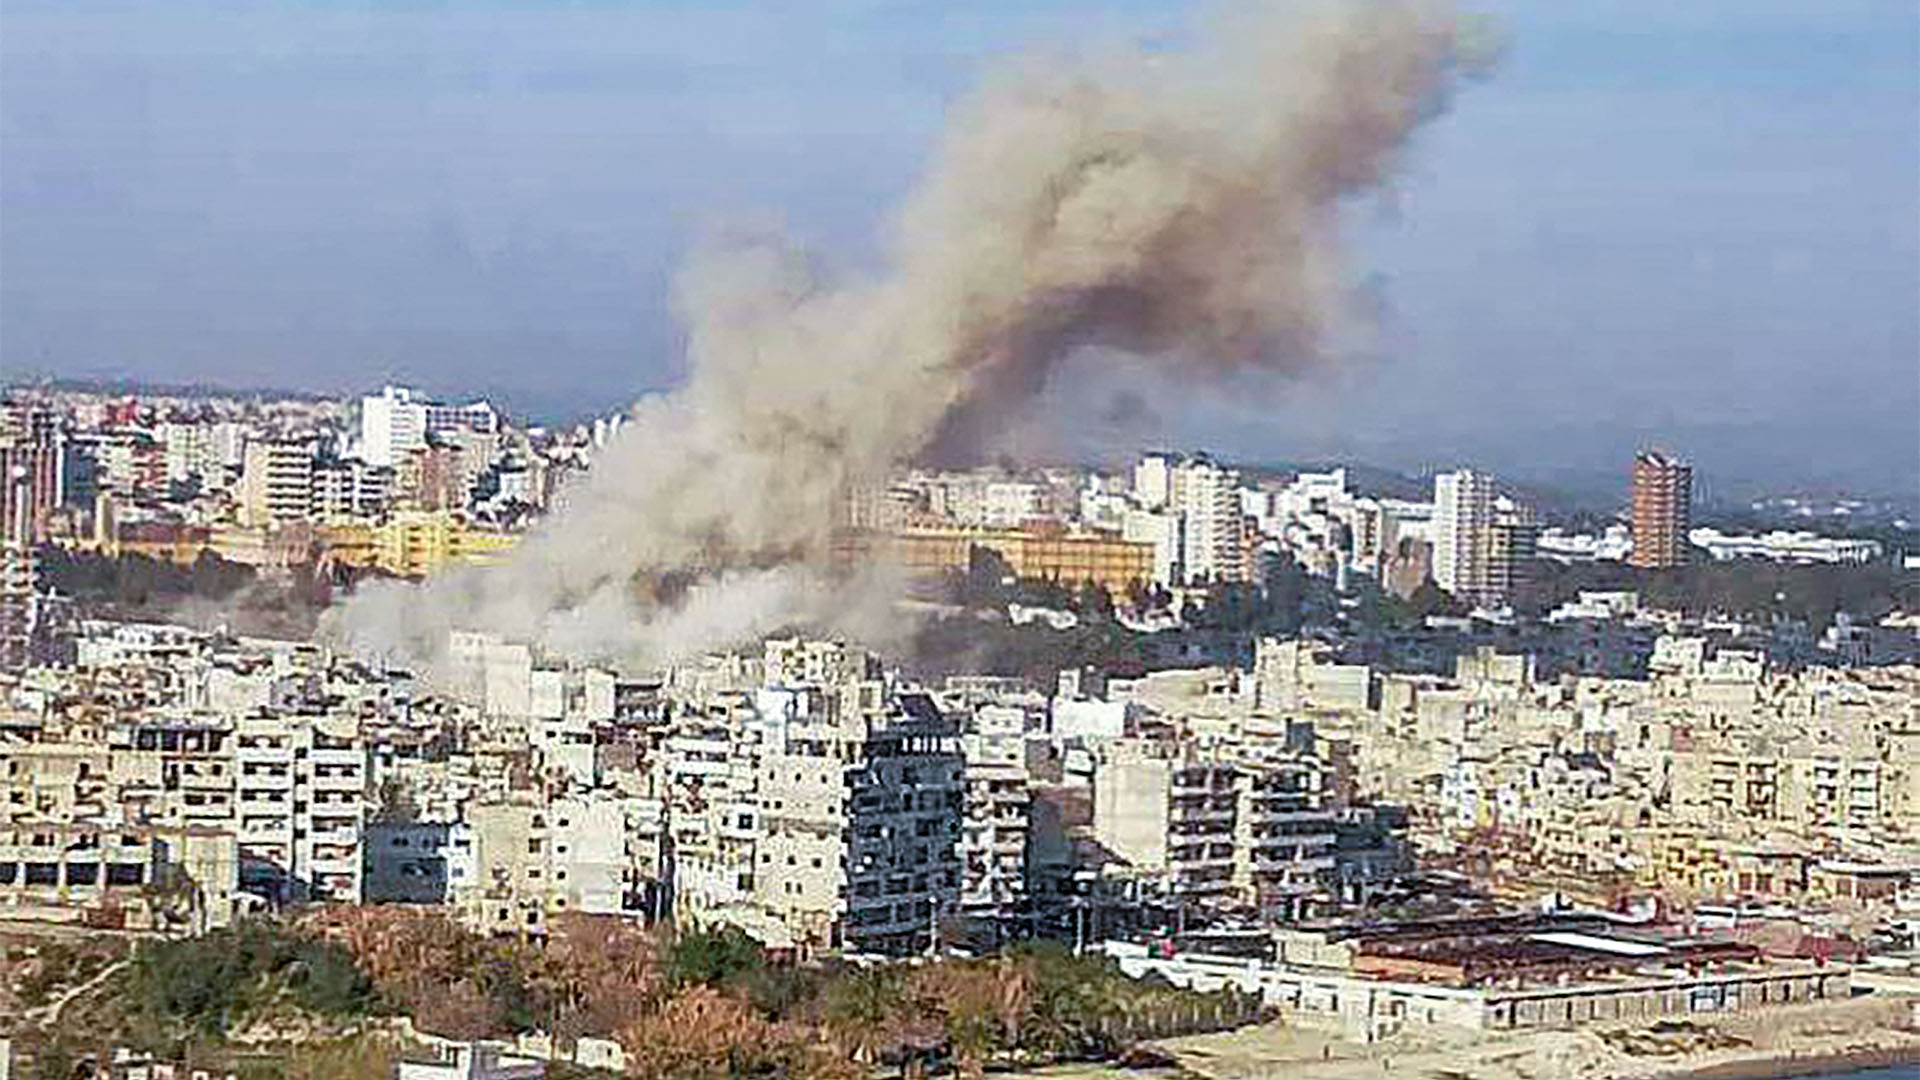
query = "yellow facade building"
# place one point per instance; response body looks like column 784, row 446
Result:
column 1071, row 557
column 418, row 543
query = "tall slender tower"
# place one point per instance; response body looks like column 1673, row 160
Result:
column 1662, row 505
column 17, row 570
column 1462, row 524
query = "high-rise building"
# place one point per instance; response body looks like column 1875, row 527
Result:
column 1662, row 504
column 398, row 420
column 34, row 475
column 349, row 489
column 187, row 447
column 860, row 800
column 17, row 581
column 276, row 486
column 392, row 423
column 1153, row 481
column 1207, row 495
column 1220, row 830
column 1462, row 533
column 1513, row 545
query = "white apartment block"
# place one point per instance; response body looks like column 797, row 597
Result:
column 1208, row 499
column 713, row 815
column 1190, row 509
column 996, row 826
column 392, row 423
column 188, row 448
column 1011, row 503
column 1215, row 829
column 351, row 490
column 1166, row 531
column 288, row 790
column 595, row 853
column 118, row 876
column 1153, row 481
column 860, row 798
column 1462, row 533
column 301, row 801
column 399, row 420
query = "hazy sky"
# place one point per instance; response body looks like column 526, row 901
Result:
column 1694, row 223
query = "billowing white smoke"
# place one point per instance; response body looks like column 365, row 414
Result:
column 1180, row 205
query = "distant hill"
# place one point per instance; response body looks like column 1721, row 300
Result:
column 139, row 388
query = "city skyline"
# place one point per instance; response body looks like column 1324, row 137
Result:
column 1345, row 538
column 1697, row 220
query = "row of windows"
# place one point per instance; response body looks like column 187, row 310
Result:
column 75, row 873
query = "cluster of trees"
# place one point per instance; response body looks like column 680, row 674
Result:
column 134, row 580
column 969, row 642
column 683, row 1004
column 207, row 985
column 707, row 1003
column 210, row 590
column 1748, row 588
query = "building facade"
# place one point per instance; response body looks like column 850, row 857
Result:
column 1662, row 511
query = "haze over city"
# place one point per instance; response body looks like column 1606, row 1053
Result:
column 1692, row 226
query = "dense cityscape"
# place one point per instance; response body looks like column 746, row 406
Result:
column 1187, row 540
column 1257, row 736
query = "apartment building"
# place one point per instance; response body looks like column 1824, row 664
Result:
column 276, row 483
column 290, row 789
column 997, row 820
column 860, row 798
column 301, row 801
column 1073, row 557
column 417, row 862
column 77, row 840
column 398, row 420
column 1207, row 496
column 710, row 763
column 1219, row 828
column 594, row 853
column 351, row 490
column 416, row 543
column 119, row 876
column 1662, row 511
column 1462, row 526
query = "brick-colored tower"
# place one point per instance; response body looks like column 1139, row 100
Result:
column 1662, row 500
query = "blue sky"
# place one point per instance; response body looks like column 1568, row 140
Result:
column 1696, row 224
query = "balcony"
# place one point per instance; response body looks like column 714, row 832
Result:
column 1312, row 864
column 1305, row 841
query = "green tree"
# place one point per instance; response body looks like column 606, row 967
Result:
column 204, row 984
column 710, row 956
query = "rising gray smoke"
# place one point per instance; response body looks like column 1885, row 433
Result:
column 1181, row 205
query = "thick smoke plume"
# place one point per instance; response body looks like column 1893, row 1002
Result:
column 1180, row 204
